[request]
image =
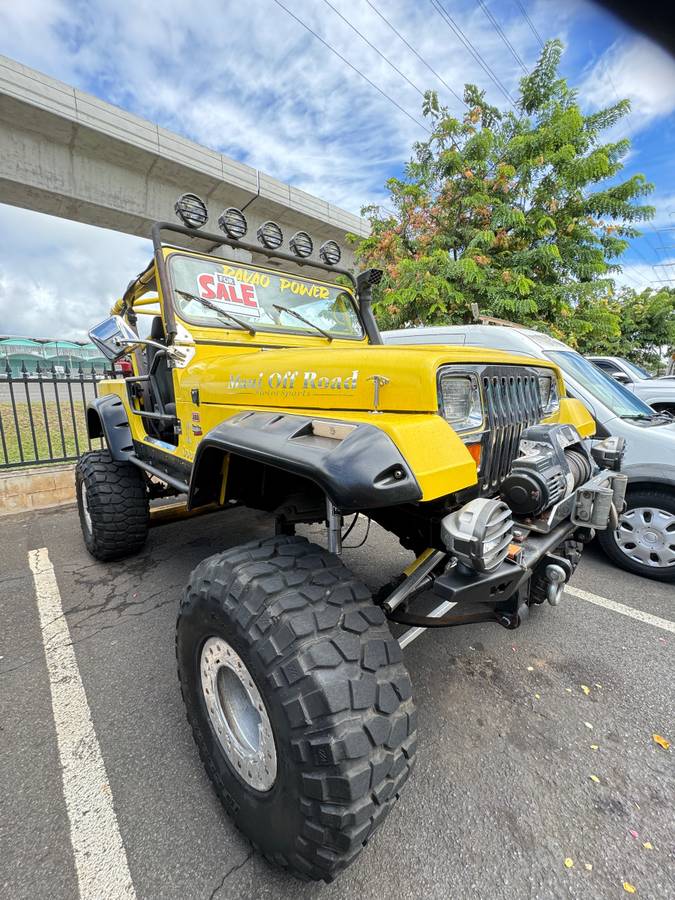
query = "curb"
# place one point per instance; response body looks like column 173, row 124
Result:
column 41, row 487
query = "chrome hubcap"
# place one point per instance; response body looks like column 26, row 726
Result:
column 85, row 507
column 647, row 535
column 238, row 714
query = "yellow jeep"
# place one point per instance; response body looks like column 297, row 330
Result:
column 268, row 386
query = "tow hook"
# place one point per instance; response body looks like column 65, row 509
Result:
column 556, row 577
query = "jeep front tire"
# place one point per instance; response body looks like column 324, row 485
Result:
column 298, row 700
column 112, row 501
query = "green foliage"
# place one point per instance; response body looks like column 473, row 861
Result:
column 520, row 211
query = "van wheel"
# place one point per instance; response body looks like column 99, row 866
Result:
column 298, row 700
column 112, row 500
column 644, row 542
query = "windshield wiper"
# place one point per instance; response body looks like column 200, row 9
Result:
column 221, row 312
column 292, row 312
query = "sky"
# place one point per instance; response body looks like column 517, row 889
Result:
column 250, row 81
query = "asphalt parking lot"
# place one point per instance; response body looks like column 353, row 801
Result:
column 513, row 725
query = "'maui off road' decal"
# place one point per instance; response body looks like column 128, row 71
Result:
column 293, row 381
column 236, row 296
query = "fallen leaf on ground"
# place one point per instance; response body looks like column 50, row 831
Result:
column 661, row 741
column 632, row 833
column 648, row 845
column 588, row 725
column 537, row 697
column 598, row 686
column 594, row 747
column 569, row 690
column 629, row 888
column 588, row 867
column 530, row 668
column 569, row 862
column 594, row 778
column 585, row 688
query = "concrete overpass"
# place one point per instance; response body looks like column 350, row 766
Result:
column 69, row 154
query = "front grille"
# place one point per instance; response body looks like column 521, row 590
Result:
column 511, row 398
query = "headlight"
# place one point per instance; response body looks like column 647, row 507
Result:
column 548, row 391
column 460, row 402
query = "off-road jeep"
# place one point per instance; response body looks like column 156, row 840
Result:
column 268, row 388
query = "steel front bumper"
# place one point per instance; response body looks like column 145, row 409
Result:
column 496, row 595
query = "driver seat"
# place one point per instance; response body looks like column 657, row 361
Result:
column 162, row 376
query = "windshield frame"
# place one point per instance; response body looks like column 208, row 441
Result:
column 290, row 332
column 635, row 407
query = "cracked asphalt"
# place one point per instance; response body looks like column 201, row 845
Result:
column 501, row 795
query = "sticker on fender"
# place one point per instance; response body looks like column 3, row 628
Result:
column 236, row 296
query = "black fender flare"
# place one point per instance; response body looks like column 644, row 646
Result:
column 358, row 468
column 107, row 418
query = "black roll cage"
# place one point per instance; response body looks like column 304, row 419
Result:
column 365, row 312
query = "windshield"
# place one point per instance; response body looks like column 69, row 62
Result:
column 614, row 395
column 640, row 373
column 256, row 295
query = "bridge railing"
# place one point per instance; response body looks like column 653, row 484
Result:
column 43, row 415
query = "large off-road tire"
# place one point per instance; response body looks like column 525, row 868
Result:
column 296, row 638
column 112, row 500
column 644, row 543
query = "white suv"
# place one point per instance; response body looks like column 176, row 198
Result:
column 644, row 543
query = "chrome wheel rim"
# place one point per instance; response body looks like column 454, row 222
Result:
column 237, row 714
column 85, row 507
column 646, row 535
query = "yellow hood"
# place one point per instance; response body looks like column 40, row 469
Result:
column 338, row 378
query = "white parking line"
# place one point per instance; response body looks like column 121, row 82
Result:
column 100, row 858
column 648, row 618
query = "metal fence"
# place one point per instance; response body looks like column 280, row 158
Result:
column 43, row 415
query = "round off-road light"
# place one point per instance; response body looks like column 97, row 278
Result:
column 479, row 533
column 233, row 222
column 270, row 235
column 191, row 210
column 301, row 244
column 330, row 253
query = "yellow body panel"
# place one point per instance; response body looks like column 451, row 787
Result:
column 235, row 372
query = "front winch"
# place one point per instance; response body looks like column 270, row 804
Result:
column 552, row 463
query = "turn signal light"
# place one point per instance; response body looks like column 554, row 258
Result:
column 475, row 451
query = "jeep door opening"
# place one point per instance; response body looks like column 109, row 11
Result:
column 263, row 387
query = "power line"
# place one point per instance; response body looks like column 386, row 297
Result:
column 643, row 257
column 450, row 22
column 411, row 48
column 498, row 28
column 530, row 23
column 353, row 67
column 373, row 47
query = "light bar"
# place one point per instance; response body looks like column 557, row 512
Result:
column 330, row 253
column 301, row 244
column 191, row 210
column 233, row 222
column 270, row 235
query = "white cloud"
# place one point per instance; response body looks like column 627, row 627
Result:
column 637, row 69
column 58, row 278
column 640, row 276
